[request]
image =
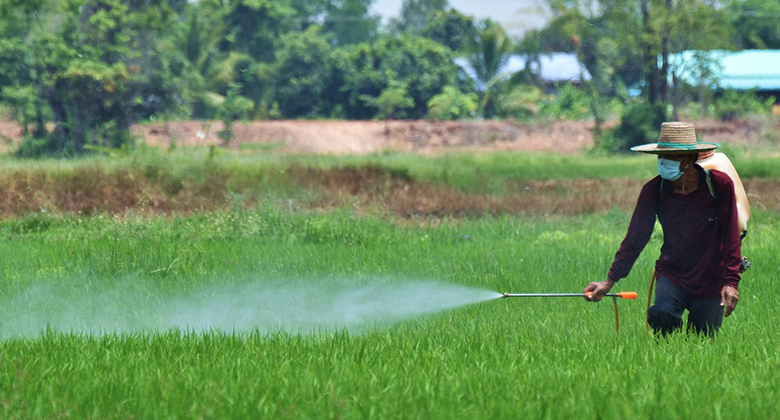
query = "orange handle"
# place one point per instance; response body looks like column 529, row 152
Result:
column 622, row 295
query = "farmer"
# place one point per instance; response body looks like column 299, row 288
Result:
column 699, row 266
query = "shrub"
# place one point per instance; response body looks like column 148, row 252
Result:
column 570, row 103
column 391, row 103
column 522, row 101
column 733, row 105
column 640, row 124
column 452, row 104
column 47, row 146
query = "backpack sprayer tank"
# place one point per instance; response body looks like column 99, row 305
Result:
column 721, row 162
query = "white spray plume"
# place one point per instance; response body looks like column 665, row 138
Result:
column 264, row 306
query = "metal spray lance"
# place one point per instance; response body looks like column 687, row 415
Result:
column 614, row 296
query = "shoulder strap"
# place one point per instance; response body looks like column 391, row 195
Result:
column 711, row 185
column 661, row 202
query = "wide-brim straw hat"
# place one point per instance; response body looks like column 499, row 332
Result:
column 676, row 138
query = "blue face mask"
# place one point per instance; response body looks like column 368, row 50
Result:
column 669, row 169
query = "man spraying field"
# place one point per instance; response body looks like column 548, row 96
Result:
column 699, row 266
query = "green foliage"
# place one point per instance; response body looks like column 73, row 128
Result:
column 304, row 69
column 488, row 53
column 639, row 125
column 630, row 40
column 452, row 104
column 252, row 26
column 349, row 21
column 391, row 103
column 36, row 147
column 732, row 105
column 451, row 28
column 522, row 101
column 232, row 107
column 569, row 103
column 421, row 65
column 756, row 23
column 85, row 61
column 556, row 36
column 416, row 15
column 89, row 69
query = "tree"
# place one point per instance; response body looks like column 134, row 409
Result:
column 21, row 60
column 88, row 74
column 451, row 28
column 699, row 27
column 92, row 62
column 415, row 15
column 452, row 104
column 302, row 72
column 349, row 22
column 423, row 66
column 391, row 102
column 233, row 107
column 252, row 27
column 522, row 101
column 634, row 39
column 756, row 23
column 489, row 53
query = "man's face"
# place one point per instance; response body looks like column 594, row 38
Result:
column 677, row 157
column 683, row 158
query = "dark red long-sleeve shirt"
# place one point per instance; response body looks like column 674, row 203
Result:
column 701, row 251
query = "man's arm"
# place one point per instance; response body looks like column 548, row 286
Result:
column 731, row 253
column 639, row 231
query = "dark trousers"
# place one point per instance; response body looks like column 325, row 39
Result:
column 665, row 316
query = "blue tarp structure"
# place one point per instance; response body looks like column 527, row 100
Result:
column 551, row 68
column 738, row 70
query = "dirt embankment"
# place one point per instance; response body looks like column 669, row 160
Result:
column 363, row 137
column 429, row 137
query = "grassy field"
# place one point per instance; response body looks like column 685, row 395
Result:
column 66, row 278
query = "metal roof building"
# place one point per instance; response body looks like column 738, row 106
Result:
column 738, row 70
column 551, row 68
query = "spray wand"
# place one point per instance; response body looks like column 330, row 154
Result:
column 614, row 296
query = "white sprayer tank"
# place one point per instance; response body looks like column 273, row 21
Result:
column 721, row 162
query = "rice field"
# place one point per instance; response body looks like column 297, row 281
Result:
column 189, row 316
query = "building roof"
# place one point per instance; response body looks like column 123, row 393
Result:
column 551, row 68
column 738, row 70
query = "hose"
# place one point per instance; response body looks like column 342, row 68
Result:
column 649, row 300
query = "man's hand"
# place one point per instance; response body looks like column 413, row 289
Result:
column 597, row 289
column 729, row 297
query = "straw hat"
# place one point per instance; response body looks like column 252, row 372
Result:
column 676, row 138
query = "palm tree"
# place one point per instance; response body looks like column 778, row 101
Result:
column 489, row 52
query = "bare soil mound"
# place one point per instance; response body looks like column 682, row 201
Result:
column 429, row 137
column 361, row 137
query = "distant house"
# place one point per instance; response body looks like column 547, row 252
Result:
column 757, row 70
column 550, row 68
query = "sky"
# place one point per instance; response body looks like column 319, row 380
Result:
column 516, row 16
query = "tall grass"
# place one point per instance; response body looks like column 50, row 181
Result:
column 194, row 180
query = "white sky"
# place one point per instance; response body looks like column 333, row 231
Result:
column 516, row 16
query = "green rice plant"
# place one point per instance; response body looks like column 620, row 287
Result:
column 554, row 358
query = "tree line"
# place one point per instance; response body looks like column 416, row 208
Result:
column 92, row 68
